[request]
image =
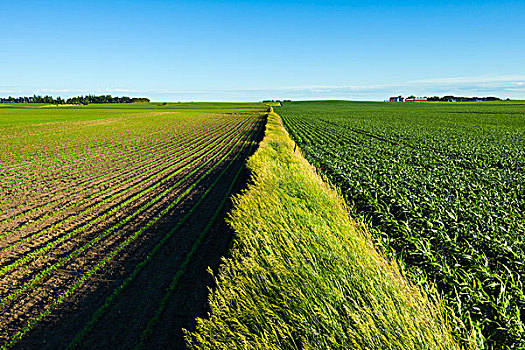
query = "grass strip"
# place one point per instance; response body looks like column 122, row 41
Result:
column 304, row 275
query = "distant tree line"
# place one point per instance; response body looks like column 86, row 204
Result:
column 78, row 100
column 462, row 99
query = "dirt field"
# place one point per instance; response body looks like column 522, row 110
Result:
column 105, row 239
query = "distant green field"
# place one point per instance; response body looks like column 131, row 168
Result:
column 27, row 131
column 443, row 185
column 45, row 113
column 502, row 102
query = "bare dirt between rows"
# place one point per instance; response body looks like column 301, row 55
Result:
column 121, row 326
column 72, row 212
column 104, row 170
column 28, row 304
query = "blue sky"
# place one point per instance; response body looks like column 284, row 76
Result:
column 253, row 50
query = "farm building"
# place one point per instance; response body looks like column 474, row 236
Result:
column 397, row 99
column 416, row 99
column 409, row 99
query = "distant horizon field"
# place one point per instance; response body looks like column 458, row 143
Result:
column 29, row 113
column 232, row 103
column 153, row 104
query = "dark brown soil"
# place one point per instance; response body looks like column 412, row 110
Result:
column 121, row 326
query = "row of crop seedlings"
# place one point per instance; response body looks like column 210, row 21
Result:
column 74, row 153
column 94, row 195
column 118, row 177
column 164, row 174
column 99, row 313
column 54, row 168
column 90, row 164
column 56, row 173
column 179, row 158
column 448, row 221
column 169, row 146
column 89, row 180
column 217, row 148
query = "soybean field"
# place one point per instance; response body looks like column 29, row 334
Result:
column 109, row 216
column 443, row 187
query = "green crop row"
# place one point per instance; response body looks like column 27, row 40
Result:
column 55, row 170
column 47, row 271
column 37, row 143
column 201, row 154
column 61, row 168
column 444, row 188
column 179, row 149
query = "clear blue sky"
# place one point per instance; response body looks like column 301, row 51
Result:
column 252, row 50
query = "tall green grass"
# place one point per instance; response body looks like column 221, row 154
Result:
column 303, row 275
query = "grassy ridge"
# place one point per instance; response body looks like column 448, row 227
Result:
column 303, row 275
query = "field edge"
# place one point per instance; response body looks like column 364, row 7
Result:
column 303, row 274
